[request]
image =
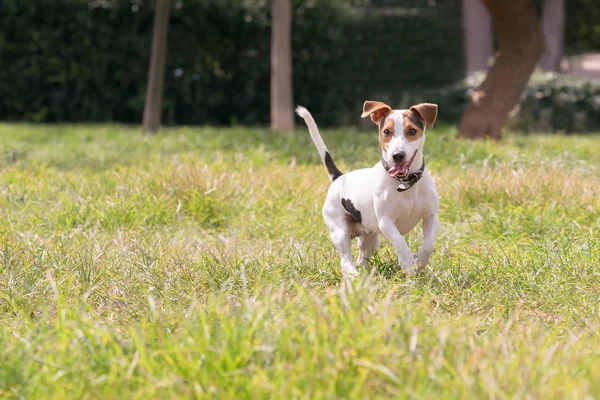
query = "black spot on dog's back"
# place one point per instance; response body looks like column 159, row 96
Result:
column 347, row 204
column 332, row 169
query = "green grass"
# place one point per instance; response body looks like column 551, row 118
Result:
column 196, row 264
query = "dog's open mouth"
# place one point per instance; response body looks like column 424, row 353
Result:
column 401, row 170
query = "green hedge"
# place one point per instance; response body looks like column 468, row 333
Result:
column 582, row 26
column 550, row 103
column 80, row 60
column 554, row 102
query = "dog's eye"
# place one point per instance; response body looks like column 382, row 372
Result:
column 412, row 132
column 386, row 132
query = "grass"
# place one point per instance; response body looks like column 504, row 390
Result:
column 196, row 264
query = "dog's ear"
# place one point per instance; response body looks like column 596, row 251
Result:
column 427, row 112
column 376, row 109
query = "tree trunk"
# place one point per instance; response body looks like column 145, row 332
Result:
column 520, row 43
column 478, row 35
column 282, row 109
column 553, row 24
column 156, row 70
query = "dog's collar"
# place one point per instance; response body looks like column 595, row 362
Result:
column 408, row 181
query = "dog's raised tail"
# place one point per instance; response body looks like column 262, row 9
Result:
column 332, row 169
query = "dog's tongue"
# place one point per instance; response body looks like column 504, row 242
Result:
column 398, row 170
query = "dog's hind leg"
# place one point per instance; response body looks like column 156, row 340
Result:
column 340, row 236
column 367, row 246
column 340, row 231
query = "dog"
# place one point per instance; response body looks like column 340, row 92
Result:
column 389, row 198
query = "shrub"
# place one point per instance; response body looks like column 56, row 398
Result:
column 87, row 60
column 550, row 102
column 582, row 26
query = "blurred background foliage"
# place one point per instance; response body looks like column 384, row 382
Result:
column 87, row 60
column 582, row 28
column 550, row 102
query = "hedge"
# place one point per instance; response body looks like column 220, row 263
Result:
column 87, row 60
column 550, row 103
column 582, row 26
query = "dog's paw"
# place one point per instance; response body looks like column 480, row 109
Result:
column 407, row 263
column 350, row 273
column 422, row 259
column 412, row 270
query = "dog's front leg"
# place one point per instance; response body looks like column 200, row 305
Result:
column 431, row 227
column 405, row 257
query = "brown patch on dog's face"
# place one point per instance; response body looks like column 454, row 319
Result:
column 413, row 126
column 427, row 112
column 386, row 131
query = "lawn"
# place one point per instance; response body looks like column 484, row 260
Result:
column 196, row 263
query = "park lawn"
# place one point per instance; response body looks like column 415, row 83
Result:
column 196, row 263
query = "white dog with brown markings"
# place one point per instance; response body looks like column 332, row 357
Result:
column 390, row 198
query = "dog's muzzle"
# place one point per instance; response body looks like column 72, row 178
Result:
column 408, row 181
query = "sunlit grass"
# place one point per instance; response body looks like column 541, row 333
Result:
column 196, row 263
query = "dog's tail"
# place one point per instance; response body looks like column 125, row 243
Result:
column 332, row 169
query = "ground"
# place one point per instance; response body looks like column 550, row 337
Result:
column 583, row 66
column 196, row 263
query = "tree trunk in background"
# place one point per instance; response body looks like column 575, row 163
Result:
column 553, row 24
column 282, row 109
column 478, row 35
column 156, row 70
column 520, row 44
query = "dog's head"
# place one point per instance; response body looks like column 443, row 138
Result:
column 401, row 132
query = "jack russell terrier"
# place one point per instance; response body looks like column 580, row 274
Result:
column 390, row 198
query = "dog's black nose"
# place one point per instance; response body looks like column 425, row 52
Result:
column 399, row 157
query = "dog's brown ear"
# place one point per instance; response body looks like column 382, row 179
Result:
column 376, row 109
column 427, row 112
